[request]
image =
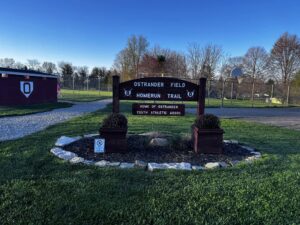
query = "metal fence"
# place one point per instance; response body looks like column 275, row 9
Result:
column 220, row 93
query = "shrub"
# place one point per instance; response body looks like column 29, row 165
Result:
column 115, row 120
column 207, row 121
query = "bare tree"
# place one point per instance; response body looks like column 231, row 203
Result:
column 123, row 65
column 285, row 56
column 7, row 62
column 49, row 67
column 285, row 60
column 255, row 64
column 194, row 59
column 33, row 64
column 136, row 48
column 210, row 56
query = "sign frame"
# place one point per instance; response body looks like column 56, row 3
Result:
column 117, row 94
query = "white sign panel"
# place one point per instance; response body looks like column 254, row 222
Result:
column 26, row 88
column 99, row 146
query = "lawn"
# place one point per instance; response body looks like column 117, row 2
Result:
column 30, row 109
column 84, row 96
column 37, row 188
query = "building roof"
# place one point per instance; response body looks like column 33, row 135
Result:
column 32, row 73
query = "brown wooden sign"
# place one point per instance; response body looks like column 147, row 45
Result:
column 158, row 109
column 159, row 89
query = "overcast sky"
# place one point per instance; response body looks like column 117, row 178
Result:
column 92, row 32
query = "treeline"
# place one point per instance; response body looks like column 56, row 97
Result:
column 138, row 59
column 281, row 64
column 70, row 76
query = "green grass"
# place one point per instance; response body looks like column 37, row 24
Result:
column 84, row 96
column 30, row 109
column 38, row 188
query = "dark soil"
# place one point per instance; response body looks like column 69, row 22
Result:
column 179, row 150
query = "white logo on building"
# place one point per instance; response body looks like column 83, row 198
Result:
column 26, row 88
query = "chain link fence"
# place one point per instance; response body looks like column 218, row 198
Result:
column 220, row 93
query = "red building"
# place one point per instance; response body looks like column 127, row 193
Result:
column 23, row 87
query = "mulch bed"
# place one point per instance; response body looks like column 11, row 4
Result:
column 179, row 150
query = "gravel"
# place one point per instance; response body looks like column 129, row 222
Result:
column 20, row 126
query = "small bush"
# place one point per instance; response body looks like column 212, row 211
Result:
column 115, row 120
column 207, row 121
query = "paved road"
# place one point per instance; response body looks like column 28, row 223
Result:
column 20, row 126
column 283, row 117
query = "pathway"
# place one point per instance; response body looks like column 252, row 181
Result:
column 20, row 126
column 283, row 117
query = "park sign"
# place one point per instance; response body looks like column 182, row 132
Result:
column 158, row 89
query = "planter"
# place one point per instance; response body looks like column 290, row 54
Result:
column 115, row 139
column 207, row 141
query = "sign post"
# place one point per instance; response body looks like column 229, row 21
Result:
column 116, row 99
column 201, row 98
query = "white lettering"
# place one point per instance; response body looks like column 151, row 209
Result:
column 148, row 95
column 174, row 96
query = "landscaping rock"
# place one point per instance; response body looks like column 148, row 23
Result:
column 230, row 142
column 56, row 151
column 179, row 166
column 248, row 148
column 113, row 164
column 90, row 135
column 156, row 166
column 88, row 162
column 102, row 163
column 257, row 154
column 234, row 162
column 64, row 140
column 197, row 168
column 140, row 164
column 250, row 159
column 65, row 155
column 152, row 134
column 212, row 165
column 159, row 142
column 77, row 160
column 126, row 165
column 223, row 164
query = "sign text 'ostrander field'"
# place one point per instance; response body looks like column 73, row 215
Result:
column 158, row 109
column 159, row 88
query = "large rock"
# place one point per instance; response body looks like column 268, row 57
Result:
column 159, row 142
column 212, row 165
column 64, row 140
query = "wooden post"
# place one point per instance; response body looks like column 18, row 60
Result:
column 116, row 100
column 201, row 98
